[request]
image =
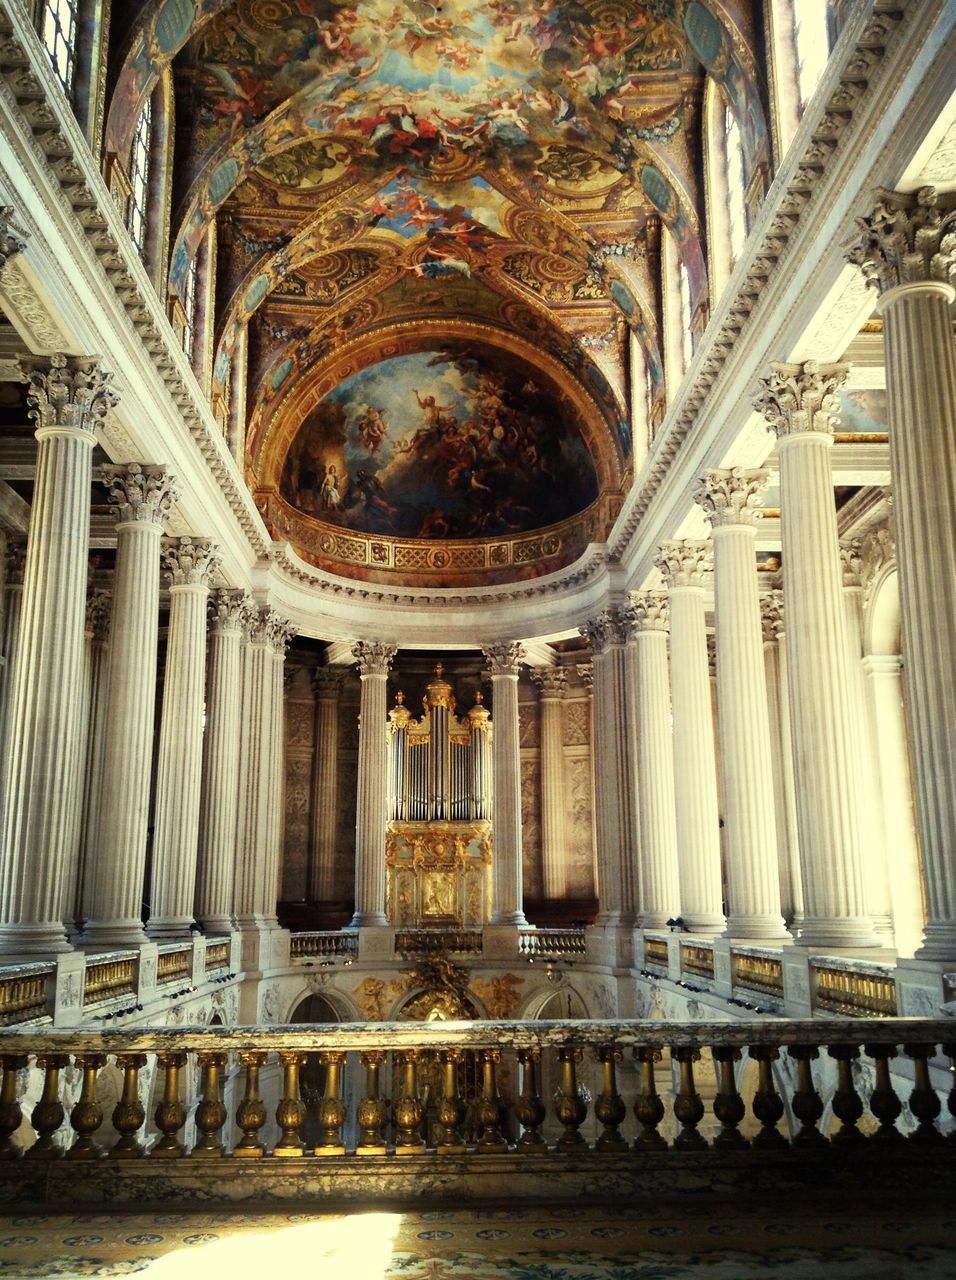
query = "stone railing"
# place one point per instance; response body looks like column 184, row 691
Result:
column 428, row 942
column 556, row 943
column 24, row 993
column 324, row 943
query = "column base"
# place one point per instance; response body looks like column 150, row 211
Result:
column 112, row 933
column 706, row 923
column 742, row 928
column 853, row 931
column 170, row 928
column 939, row 943
column 516, row 919
column 33, row 939
column 368, row 920
column 217, row 925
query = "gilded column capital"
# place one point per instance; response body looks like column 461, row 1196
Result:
column 608, row 628
column 13, row 238
column 801, row 397
column 851, row 561
column 72, row 392
column 908, row 239
column 685, row 563
column 327, row 682
column 99, row 610
column 504, row 658
column 228, row 609
column 771, row 616
column 551, row 681
column 731, row 497
column 190, row 562
column 15, row 560
column 373, row 657
column 585, row 672
column 140, row 493
column 648, row 611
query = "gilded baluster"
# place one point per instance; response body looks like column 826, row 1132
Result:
column 530, row 1110
column 290, row 1113
column 648, row 1106
column 847, row 1105
column 11, row 1114
column 251, row 1111
column 768, row 1105
column 170, row 1114
column 87, row 1114
column 807, row 1104
column 409, row 1111
column 332, row 1107
column 688, row 1107
column 451, row 1106
column 924, row 1100
column 572, row 1109
column 372, row 1110
column 47, row 1115
column 211, row 1113
column 129, row 1114
column 609, row 1105
column 728, row 1104
column 491, row 1139
column 884, row 1103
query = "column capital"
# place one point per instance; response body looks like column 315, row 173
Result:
column 373, row 657
column 72, row 392
column 279, row 631
column 851, row 561
column 15, row 562
column 771, row 616
column 879, row 552
column 684, row 564
column 504, row 658
column 648, row 611
column 99, row 611
column 606, row 629
column 801, row 397
column 140, row 493
column 731, row 497
column 13, row 238
column 190, row 562
column 552, row 681
column 908, row 239
column 585, row 672
column 327, row 682
column 229, row 609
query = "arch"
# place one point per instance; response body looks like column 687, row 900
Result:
column 337, row 1004
column 724, row 189
column 536, row 1005
column 881, row 623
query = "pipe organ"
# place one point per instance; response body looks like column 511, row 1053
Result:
column 438, row 838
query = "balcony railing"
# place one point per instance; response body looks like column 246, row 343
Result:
column 557, row 943
column 329, row 942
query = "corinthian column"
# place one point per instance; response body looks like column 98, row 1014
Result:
column 16, row 559
column 552, row 684
column 778, row 705
column 656, row 805
column 614, row 747
column 684, row 567
column 798, row 403
column 189, row 563
column 729, row 500
column 280, row 633
column 142, row 496
column 90, row 771
column 504, row 663
column 906, row 248
column 219, row 811
column 374, row 660
column 68, row 396
column 327, row 687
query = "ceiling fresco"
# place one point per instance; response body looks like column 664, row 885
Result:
column 514, row 163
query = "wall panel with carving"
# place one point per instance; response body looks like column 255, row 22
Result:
column 531, row 823
column 579, row 824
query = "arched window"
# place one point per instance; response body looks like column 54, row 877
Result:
column 799, row 46
column 58, row 31
column 734, row 168
column 811, row 46
column 189, row 307
column 678, row 337
column 726, row 196
column 139, row 175
column 686, row 334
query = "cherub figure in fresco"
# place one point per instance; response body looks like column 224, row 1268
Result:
column 329, row 497
column 461, row 55
column 372, row 428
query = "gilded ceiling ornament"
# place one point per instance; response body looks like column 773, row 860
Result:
column 731, row 497
column 909, row 238
column 801, row 397
column 684, row 563
column 67, row 391
column 141, row 493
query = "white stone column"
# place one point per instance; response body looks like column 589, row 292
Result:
column 778, row 706
column 656, row 800
column 280, row 633
column 906, row 247
column 89, row 741
column 219, row 809
column 615, row 763
column 729, row 499
column 327, row 687
column 374, row 660
column 504, row 663
column 684, row 566
column 68, row 395
column 552, row 685
column 142, row 496
column 16, row 559
column 254, row 765
column 585, row 672
column 798, row 403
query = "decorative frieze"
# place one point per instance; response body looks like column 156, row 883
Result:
column 13, row 239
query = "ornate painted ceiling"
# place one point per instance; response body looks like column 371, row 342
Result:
column 435, row 225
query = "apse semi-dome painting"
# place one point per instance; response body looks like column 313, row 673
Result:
column 440, row 444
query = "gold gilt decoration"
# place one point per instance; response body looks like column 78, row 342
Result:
column 373, row 997
column 760, row 973
column 870, row 995
column 500, row 996
column 438, row 692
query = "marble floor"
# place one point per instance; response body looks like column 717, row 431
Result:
column 691, row 1241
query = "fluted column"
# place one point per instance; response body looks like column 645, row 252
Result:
column 142, row 496
column 552, row 685
column 614, row 747
column 585, row 672
column 906, row 248
column 798, row 403
column 374, row 660
column 219, row 808
column 778, row 705
column 89, row 771
column 729, row 499
column 16, row 560
column 504, row 663
column 327, row 687
column 68, row 395
column 254, row 763
column 656, row 803
column 280, row 634
column 684, row 566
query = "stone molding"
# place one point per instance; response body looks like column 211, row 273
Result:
column 229, row 609
column 13, row 239
column 504, row 658
column 648, row 611
column 551, row 681
column 909, row 238
column 731, row 497
column 140, row 493
column 800, row 398
column 607, row 629
column 190, row 562
column 684, row 563
column 72, row 392
column 373, row 657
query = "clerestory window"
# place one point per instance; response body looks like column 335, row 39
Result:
column 58, row 32
column 139, row 176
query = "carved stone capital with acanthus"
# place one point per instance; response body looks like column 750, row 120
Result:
column 327, row 682
column 799, row 398
column 99, row 611
column 585, row 672
column 279, row 632
column 608, row 628
column 71, row 392
column 373, row 657
column 504, row 658
column 851, row 561
column 190, row 562
column 15, row 562
column 648, row 611
column 139, row 493
column 731, row 497
column 13, row 238
column 771, row 616
column 551, row 681
column 684, row 564
column 908, row 239
column 229, row 609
